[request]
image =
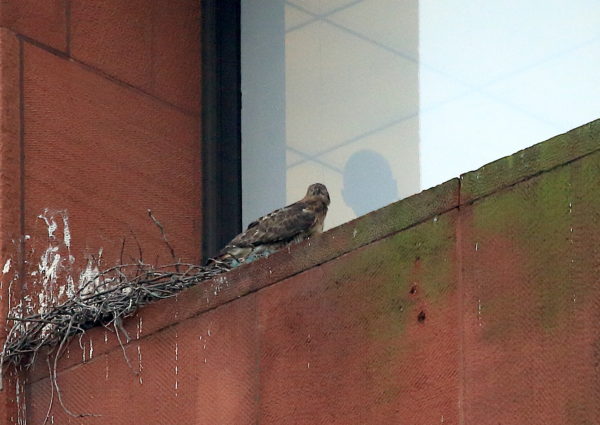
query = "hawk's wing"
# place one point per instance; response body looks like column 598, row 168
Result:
column 281, row 225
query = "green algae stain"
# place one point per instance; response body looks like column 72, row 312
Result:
column 535, row 159
column 411, row 210
column 381, row 276
column 378, row 291
column 537, row 218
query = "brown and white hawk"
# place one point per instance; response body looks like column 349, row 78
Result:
column 281, row 227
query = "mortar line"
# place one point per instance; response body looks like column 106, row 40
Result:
column 461, row 311
column 21, row 254
column 20, row 375
column 68, row 26
column 97, row 71
column 257, row 362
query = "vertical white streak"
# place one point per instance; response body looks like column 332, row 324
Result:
column 6, row 268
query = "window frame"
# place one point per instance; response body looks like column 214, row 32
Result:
column 220, row 124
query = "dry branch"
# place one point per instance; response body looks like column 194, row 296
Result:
column 104, row 300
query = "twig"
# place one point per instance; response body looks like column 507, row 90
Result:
column 54, row 377
column 28, row 319
column 51, row 403
column 164, row 237
column 122, row 346
column 119, row 295
column 3, row 356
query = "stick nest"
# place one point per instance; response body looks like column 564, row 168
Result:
column 103, row 300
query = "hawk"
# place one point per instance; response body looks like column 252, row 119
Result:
column 281, row 227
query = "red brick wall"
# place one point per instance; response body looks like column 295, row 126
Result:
column 475, row 302
column 100, row 106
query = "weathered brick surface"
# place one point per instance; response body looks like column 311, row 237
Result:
column 178, row 375
column 10, row 159
column 344, row 343
column 10, row 205
column 150, row 44
column 98, row 153
column 531, row 259
column 537, row 159
column 106, row 153
column 44, row 21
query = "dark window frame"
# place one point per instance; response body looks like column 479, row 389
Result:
column 220, row 124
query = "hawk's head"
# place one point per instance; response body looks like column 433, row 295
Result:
column 318, row 190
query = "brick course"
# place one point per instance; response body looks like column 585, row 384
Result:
column 43, row 21
column 82, row 138
column 152, row 45
column 107, row 153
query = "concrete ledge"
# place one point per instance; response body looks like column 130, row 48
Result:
column 529, row 162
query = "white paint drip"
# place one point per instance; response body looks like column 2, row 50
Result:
column 50, row 223
column 48, row 265
column 52, row 267
column 176, row 365
column 6, row 268
column 51, row 262
column 20, row 401
column 70, row 290
column 89, row 278
column 141, row 368
column 66, row 230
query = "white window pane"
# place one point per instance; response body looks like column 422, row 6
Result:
column 379, row 99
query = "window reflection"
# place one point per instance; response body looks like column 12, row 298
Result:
column 400, row 95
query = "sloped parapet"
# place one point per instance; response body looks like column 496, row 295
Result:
column 475, row 302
